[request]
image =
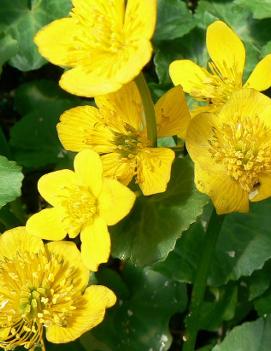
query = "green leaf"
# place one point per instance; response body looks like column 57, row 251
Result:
column 34, row 138
column 263, row 304
column 259, row 281
column 10, row 181
column 252, row 336
column 140, row 320
column 21, row 19
column 191, row 46
column 259, row 8
column 8, row 48
column 174, row 20
column 185, row 256
column 213, row 313
column 266, row 50
column 150, row 232
column 244, row 244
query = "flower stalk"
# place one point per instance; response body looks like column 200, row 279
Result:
column 192, row 322
column 149, row 110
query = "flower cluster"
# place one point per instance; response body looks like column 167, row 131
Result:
column 229, row 137
column 104, row 44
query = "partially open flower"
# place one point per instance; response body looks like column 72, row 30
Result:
column 43, row 288
column 117, row 131
column 84, row 202
column 232, row 151
column 225, row 75
column 105, row 43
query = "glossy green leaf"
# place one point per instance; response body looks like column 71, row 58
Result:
column 34, row 138
column 21, row 19
column 221, row 308
column 150, row 232
column 252, row 336
column 10, row 181
column 185, row 256
column 140, row 320
column 244, row 244
column 8, row 48
column 174, row 20
column 260, row 281
column 259, row 8
column 263, row 304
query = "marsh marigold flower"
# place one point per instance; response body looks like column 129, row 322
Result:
column 225, row 75
column 84, row 202
column 232, row 151
column 104, row 43
column 44, row 289
column 117, row 131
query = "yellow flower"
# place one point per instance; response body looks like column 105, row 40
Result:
column 103, row 42
column 232, row 151
column 225, row 73
column 83, row 202
column 116, row 130
column 45, row 286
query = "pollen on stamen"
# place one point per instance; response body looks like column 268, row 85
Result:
column 243, row 147
column 35, row 303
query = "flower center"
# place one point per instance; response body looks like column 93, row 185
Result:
column 243, row 147
column 129, row 144
column 36, row 290
column 219, row 85
column 80, row 206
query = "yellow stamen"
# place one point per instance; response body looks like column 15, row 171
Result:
column 243, row 147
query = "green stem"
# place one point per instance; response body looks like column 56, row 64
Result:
column 192, row 322
column 149, row 111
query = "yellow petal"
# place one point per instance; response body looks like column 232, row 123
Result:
column 88, row 168
column 133, row 60
column 111, row 14
column 72, row 256
column 123, row 106
column 199, row 132
column 260, row 78
column 226, row 193
column 118, row 167
column 18, row 240
column 57, row 41
column 248, row 102
column 89, row 313
column 83, row 127
column 107, row 71
column 47, row 224
column 140, row 18
column 154, row 168
column 226, row 50
column 78, row 81
column 113, row 192
column 52, row 186
column 96, row 244
column 172, row 113
column 189, row 75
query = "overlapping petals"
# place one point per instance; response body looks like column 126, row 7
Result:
column 225, row 75
column 81, row 203
column 116, row 129
column 104, row 43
